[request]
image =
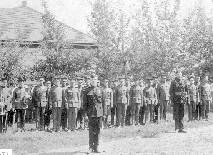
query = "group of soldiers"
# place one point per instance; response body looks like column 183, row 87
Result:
column 75, row 104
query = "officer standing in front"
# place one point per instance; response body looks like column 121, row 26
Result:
column 95, row 109
column 178, row 98
column 56, row 102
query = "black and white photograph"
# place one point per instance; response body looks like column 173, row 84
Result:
column 107, row 77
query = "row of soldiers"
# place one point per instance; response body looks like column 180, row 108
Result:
column 126, row 103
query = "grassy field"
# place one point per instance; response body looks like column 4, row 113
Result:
column 35, row 141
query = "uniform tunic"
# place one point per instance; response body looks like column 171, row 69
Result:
column 193, row 93
column 164, row 99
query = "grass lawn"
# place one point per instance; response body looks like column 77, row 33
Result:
column 35, row 141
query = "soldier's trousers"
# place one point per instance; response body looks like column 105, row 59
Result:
column 2, row 123
column 205, row 107
column 40, row 111
column 94, row 131
column 192, row 111
column 198, row 112
column 47, row 115
column 149, row 113
column 113, row 112
column 72, row 115
column 64, row 118
column 156, row 112
column 142, row 114
column 163, row 109
column 21, row 118
column 128, row 115
column 135, row 113
column 106, row 121
column 121, row 113
column 179, row 114
column 56, row 118
column 80, row 119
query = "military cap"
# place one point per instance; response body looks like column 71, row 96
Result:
column 164, row 75
column 149, row 78
column 155, row 76
column 94, row 76
column 87, row 77
column 64, row 78
column 106, row 80
column 3, row 79
column 121, row 77
column 26, row 86
column 191, row 76
column 57, row 77
column 21, row 79
column 48, row 82
column 72, row 80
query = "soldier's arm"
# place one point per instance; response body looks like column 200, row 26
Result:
column 144, row 96
column 79, row 99
column 104, row 104
column 130, row 96
column 199, row 94
column 13, row 98
column 141, row 96
column 171, row 91
column 156, row 98
column 111, row 98
column 84, row 102
column 51, row 98
column 158, row 93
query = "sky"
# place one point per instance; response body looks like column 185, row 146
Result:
column 75, row 12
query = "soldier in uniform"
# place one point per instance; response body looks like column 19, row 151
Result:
column 193, row 94
column 204, row 91
column 164, row 97
column 143, row 107
column 157, row 105
column 88, row 84
column 178, row 98
column 40, row 101
column 113, row 108
column 72, row 101
column 80, row 119
column 56, row 102
column 198, row 106
column 136, row 101
column 5, row 97
column 122, row 96
column 19, row 103
column 108, row 99
column 48, row 110
column 128, row 111
column 63, row 108
column 95, row 109
column 150, row 98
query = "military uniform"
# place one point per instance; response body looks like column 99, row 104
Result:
column 48, row 110
column 72, row 101
column 205, row 97
column 164, row 99
column 80, row 118
column 128, row 110
column 193, row 94
column 5, row 106
column 20, row 105
column 136, row 101
column 157, row 105
column 178, row 98
column 108, row 99
column 40, row 101
column 64, row 110
column 56, row 102
column 122, row 97
column 113, row 107
column 95, row 108
column 150, row 99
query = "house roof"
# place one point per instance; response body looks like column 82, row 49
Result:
column 26, row 23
